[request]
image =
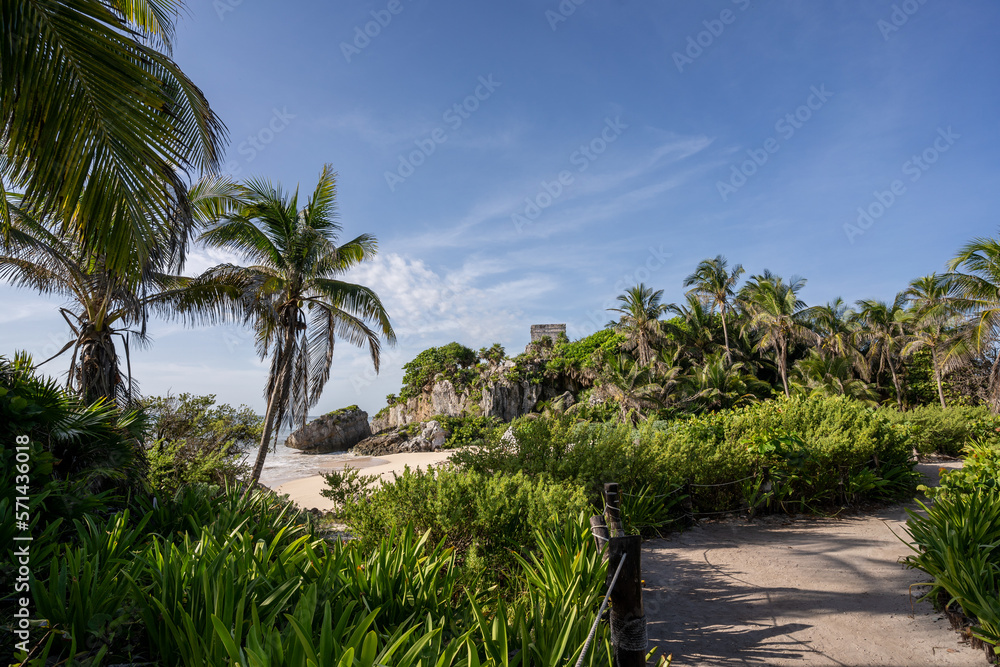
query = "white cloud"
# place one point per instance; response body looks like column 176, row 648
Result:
column 421, row 301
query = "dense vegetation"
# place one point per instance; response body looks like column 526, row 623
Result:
column 124, row 568
column 957, row 541
column 152, row 545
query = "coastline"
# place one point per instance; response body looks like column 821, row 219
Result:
column 305, row 491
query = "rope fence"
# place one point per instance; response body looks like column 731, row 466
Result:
column 600, row 612
column 760, row 496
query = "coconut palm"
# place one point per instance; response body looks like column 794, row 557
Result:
column 713, row 280
column 718, row 384
column 640, row 321
column 777, row 316
column 836, row 329
column 937, row 326
column 976, row 277
column 881, row 331
column 829, row 375
column 297, row 301
column 638, row 388
column 98, row 126
column 105, row 304
column 694, row 334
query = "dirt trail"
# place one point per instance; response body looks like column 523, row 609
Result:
column 794, row 592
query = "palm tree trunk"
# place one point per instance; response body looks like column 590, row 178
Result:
column 725, row 334
column 783, row 366
column 993, row 388
column 937, row 376
column 896, row 383
column 97, row 367
column 284, row 367
column 265, row 438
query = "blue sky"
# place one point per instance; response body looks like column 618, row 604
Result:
column 524, row 162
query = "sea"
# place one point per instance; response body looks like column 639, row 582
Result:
column 284, row 464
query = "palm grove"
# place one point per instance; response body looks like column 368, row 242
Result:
column 108, row 175
column 737, row 339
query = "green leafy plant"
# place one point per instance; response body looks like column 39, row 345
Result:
column 193, row 440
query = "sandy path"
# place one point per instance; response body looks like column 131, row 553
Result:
column 794, row 592
column 306, row 491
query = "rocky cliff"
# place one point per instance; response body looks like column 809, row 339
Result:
column 334, row 432
column 498, row 396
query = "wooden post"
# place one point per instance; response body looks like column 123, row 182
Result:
column 689, row 501
column 628, row 619
column 600, row 532
column 612, row 509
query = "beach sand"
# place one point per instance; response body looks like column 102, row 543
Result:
column 305, row 492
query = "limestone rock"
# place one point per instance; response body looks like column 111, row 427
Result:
column 381, row 444
column 431, row 437
column 337, row 431
column 508, row 400
column 442, row 399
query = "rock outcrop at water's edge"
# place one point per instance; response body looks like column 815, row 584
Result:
column 431, row 437
column 337, row 431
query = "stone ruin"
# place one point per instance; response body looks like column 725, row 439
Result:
column 540, row 331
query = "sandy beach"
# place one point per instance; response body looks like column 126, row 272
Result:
column 305, row 492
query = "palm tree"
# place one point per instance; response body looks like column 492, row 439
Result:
column 106, row 304
column 827, row 375
column 937, row 325
column 694, row 334
column 777, row 315
column 640, row 321
column 836, row 329
column 882, row 332
column 713, row 280
column 98, row 126
column 720, row 385
column 296, row 299
column 976, row 277
column 638, row 388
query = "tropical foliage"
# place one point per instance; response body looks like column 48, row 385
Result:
column 295, row 296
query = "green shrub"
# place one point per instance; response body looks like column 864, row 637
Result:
column 980, row 471
column 956, row 541
column 455, row 361
column 948, row 430
column 485, row 518
column 244, row 581
column 465, row 431
column 577, row 452
column 579, row 354
column 827, row 442
column 194, row 441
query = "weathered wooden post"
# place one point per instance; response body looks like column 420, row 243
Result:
column 600, row 532
column 612, row 509
column 628, row 620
